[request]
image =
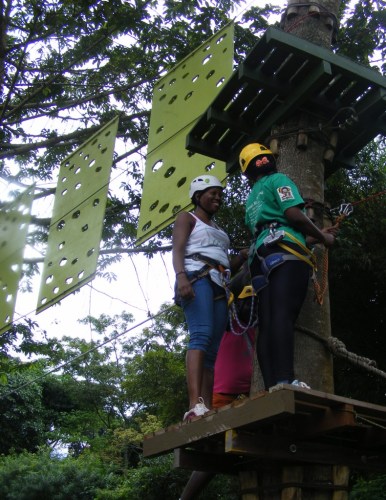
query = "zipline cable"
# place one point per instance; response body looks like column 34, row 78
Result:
column 79, row 356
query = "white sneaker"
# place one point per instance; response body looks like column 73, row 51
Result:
column 302, row 385
column 197, row 411
column 295, row 383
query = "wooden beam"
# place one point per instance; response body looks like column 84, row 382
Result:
column 331, row 419
column 291, row 450
column 208, row 462
column 246, row 412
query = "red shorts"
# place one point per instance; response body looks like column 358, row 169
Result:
column 219, row 399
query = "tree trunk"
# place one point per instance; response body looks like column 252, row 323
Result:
column 301, row 158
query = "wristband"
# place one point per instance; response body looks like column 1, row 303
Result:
column 180, row 272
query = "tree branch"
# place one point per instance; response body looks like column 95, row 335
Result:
column 115, row 251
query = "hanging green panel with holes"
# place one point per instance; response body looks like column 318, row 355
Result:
column 179, row 98
column 77, row 219
column 14, row 221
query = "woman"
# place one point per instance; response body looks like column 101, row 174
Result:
column 202, row 267
column 280, row 262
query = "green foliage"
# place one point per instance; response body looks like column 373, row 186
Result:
column 155, row 371
column 156, row 381
column 22, row 418
column 21, row 339
column 40, row 476
column 66, row 68
column 358, row 272
column 155, row 479
column 107, row 390
column 369, row 489
column 368, row 21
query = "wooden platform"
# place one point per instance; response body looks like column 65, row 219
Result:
column 290, row 425
column 283, row 75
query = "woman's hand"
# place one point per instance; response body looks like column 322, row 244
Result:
column 330, row 233
column 184, row 287
column 243, row 254
column 238, row 260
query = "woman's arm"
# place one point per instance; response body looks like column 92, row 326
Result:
column 238, row 260
column 183, row 226
column 302, row 223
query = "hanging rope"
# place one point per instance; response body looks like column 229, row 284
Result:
column 338, row 349
column 345, row 209
column 320, row 288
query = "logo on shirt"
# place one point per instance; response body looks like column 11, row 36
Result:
column 285, row 193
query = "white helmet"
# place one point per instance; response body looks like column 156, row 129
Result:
column 203, row 182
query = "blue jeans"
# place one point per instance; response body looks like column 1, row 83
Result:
column 207, row 318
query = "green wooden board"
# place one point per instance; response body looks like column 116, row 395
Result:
column 178, row 100
column 14, row 221
column 77, row 220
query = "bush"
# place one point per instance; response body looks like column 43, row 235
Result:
column 38, row 476
column 373, row 489
column 156, row 479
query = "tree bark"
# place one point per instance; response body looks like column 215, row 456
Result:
column 301, row 158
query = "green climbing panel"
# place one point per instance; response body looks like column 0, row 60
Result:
column 77, row 219
column 283, row 75
column 179, row 98
column 14, row 221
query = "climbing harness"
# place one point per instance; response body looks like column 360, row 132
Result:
column 270, row 262
column 212, row 264
column 276, row 236
column 203, row 272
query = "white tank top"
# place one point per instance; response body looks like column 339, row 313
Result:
column 209, row 241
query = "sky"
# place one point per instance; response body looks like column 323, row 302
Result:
column 141, row 286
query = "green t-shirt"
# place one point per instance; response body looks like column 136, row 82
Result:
column 269, row 199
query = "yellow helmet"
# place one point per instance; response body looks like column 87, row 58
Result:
column 249, row 152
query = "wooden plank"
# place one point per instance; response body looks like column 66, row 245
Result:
column 331, row 419
column 249, row 485
column 299, row 95
column 350, row 431
column 340, row 478
column 290, row 450
column 207, row 462
column 300, row 47
column 303, row 397
column 268, row 66
column 248, row 411
column 293, row 474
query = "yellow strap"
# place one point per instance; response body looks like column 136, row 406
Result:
column 311, row 257
column 295, row 240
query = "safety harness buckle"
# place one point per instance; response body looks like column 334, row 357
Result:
column 273, row 237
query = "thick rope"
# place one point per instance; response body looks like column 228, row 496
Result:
column 338, row 348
